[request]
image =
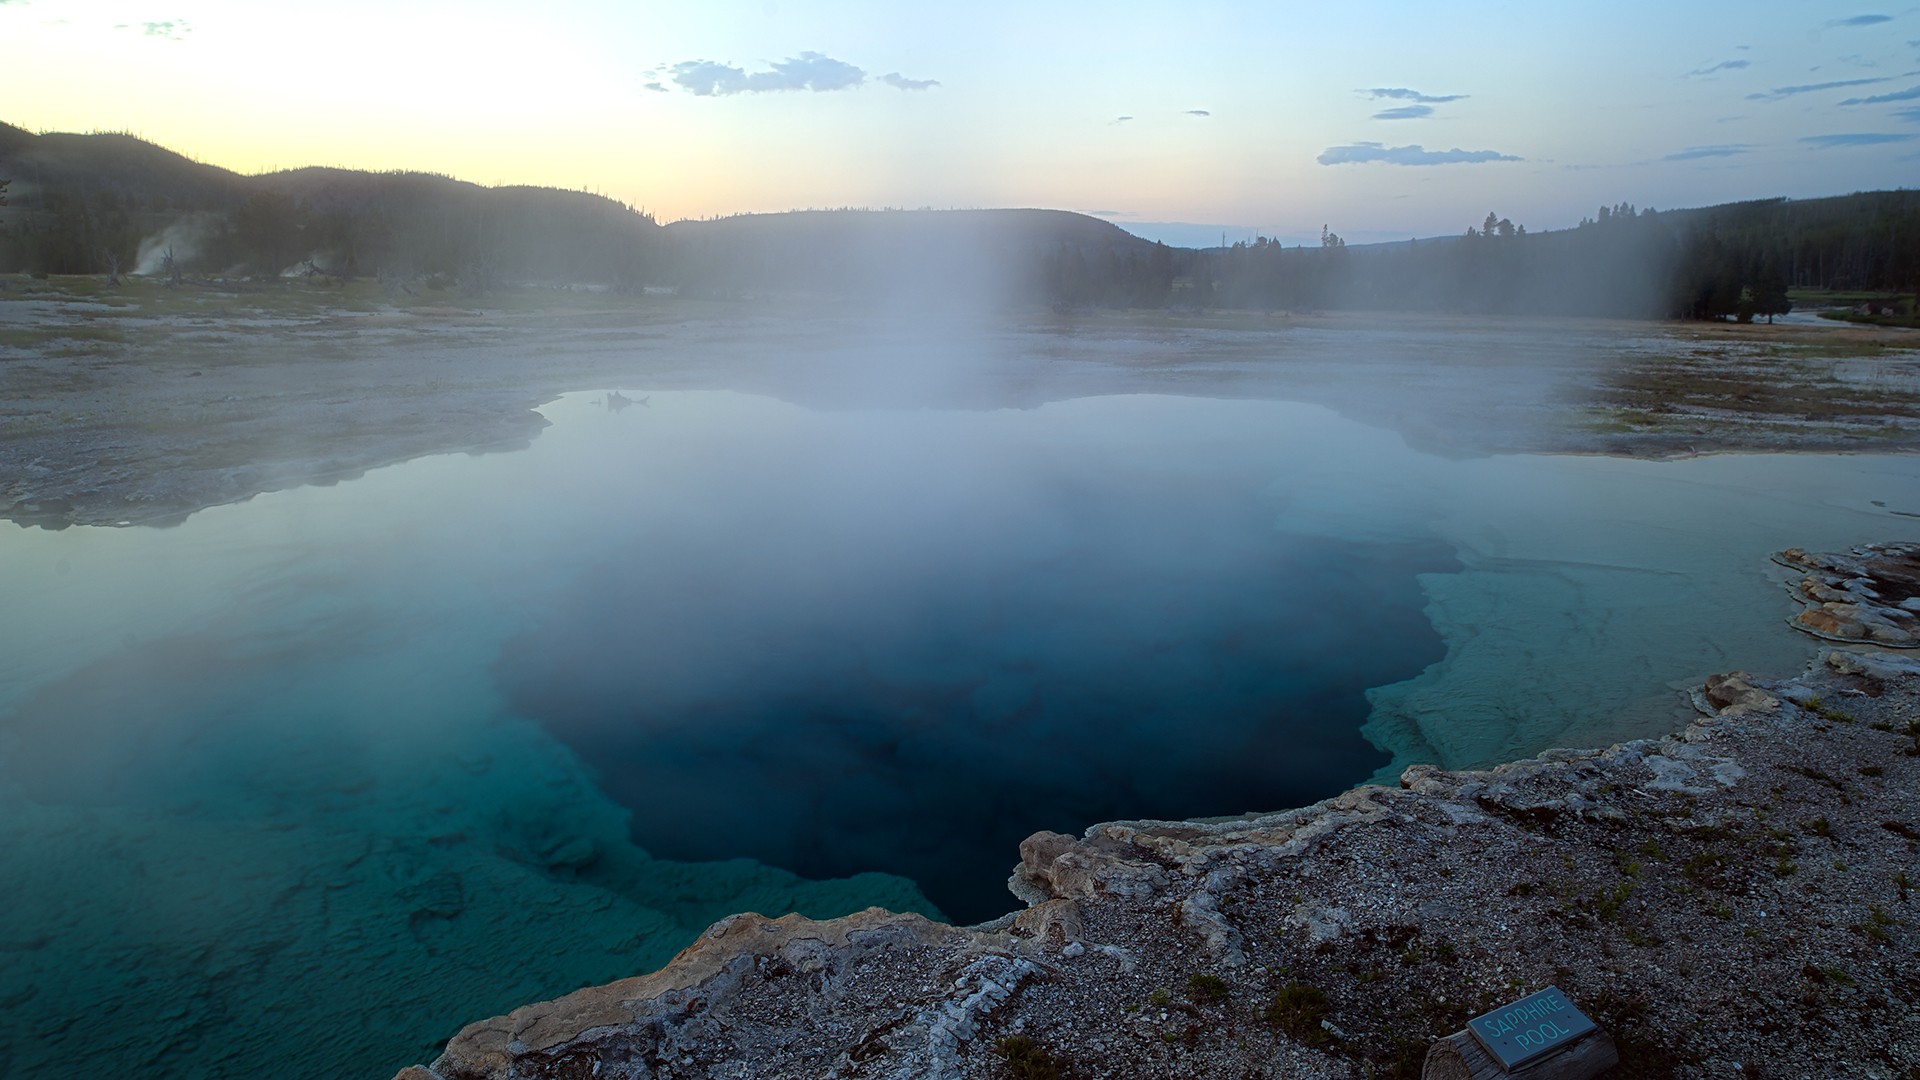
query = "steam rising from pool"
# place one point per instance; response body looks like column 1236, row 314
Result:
column 908, row 641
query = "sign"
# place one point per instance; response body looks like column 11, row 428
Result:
column 1536, row 1025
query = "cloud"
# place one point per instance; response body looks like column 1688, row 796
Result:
column 657, row 88
column 1829, row 142
column 171, row 29
column 1401, row 93
column 1404, row 112
column 1779, row 92
column 1911, row 116
column 901, row 82
column 1860, row 20
column 1694, row 153
column 1361, row 153
column 1121, row 119
column 808, row 71
column 1910, row 94
column 1199, row 112
column 1724, row 65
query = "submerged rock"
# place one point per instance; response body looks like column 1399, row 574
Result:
column 1755, row 870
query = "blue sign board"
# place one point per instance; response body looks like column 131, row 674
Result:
column 1530, row 1028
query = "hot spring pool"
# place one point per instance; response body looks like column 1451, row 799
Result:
column 336, row 770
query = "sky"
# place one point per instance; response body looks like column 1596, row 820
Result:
column 1176, row 120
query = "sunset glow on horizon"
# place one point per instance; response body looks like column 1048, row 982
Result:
column 1385, row 122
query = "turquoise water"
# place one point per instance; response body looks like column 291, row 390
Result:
column 331, row 772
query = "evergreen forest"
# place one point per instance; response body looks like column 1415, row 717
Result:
column 113, row 204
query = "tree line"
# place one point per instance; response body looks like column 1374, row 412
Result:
column 398, row 227
column 1733, row 261
column 102, row 204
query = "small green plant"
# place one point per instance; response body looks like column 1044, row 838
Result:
column 1879, row 920
column 1651, row 849
column 1702, row 868
column 1720, row 910
column 1901, row 882
column 1827, row 712
column 1298, row 1009
column 1160, row 996
column 1814, row 774
column 1606, row 902
column 1784, row 867
column 1206, row 989
column 1024, row 1059
column 1819, row 826
column 1827, row 973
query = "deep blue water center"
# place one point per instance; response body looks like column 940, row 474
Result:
column 916, row 693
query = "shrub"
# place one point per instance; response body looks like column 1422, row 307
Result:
column 1298, row 1009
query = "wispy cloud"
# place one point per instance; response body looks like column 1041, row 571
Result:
column 1695, row 153
column 1121, row 119
column 1779, row 92
column 1911, row 116
column 657, row 88
column 901, row 82
column 1365, row 152
column 808, row 71
column 1911, row 93
column 1401, row 93
column 1860, row 20
column 1829, row 142
column 1724, row 65
column 1404, row 112
column 171, row 29
column 1199, row 112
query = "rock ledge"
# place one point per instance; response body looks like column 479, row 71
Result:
column 1734, row 900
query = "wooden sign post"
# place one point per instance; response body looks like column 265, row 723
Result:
column 1543, row 1036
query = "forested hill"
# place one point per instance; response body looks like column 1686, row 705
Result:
column 1737, row 259
column 96, row 203
column 976, row 255
column 83, row 204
